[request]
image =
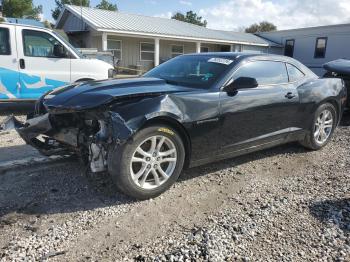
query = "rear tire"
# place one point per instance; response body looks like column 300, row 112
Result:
column 324, row 123
column 148, row 164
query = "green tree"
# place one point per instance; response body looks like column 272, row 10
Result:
column 190, row 17
column 47, row 24
column 21, row 9
column 263, row 26
column 60, row 4
column 107, row 6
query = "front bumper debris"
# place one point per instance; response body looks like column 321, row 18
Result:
column 30, row 132
column 10, row 123
column 87, row 135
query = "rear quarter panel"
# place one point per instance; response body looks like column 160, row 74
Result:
column 317, row 91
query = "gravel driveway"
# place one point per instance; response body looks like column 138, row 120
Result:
column 282, row 204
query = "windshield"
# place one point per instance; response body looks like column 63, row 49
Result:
column 193, row 71
column 76, row 51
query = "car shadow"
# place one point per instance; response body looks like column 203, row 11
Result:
column 335, row 212
column 291, row 148
column 345, row 121
column 64, row 186
column 17, row 152
column 59, row 187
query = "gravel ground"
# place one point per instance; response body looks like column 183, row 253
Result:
column 282, row 204
column 12, row 147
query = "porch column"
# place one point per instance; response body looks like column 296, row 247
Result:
column 104, row 41
column 156, row 51
column 198, row 47
column 238, row 48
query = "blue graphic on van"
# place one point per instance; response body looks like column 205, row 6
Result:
column 31, row 87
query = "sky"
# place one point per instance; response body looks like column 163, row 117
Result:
column 237, row 14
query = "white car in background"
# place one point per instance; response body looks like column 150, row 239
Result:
column 35, row 60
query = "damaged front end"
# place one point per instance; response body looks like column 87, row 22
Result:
column 86, row 134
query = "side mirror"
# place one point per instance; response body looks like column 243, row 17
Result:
column 241, row 83
column 59, row 51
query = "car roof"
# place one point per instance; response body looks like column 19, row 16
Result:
column 240, row 56
column 243, row 55
column 25, row 25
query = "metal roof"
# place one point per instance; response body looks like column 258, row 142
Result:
column 119, row 22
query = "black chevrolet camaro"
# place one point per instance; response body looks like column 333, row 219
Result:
column 191, row 110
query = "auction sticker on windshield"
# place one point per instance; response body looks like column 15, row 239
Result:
column 220, row 60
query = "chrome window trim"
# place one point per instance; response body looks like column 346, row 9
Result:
column 244, row 62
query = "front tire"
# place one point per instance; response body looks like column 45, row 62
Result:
column 148, row 164
column 323, row 126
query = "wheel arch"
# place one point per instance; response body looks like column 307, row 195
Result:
column 333, row 101
column 175, row 124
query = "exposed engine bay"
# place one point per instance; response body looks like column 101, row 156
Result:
column 88, row 135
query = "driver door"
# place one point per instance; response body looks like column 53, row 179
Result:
column 40, row 69
column 261, row 115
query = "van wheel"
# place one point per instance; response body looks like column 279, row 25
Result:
column 323, row 126
column 149, row 164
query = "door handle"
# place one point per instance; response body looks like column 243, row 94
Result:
column 289, row 95
column 22, row 64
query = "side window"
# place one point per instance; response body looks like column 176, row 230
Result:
column 177, row 50
column 5, row 48
column 294, row 73
column 265, row 72
column 115, row 46
column 289, row 48
column 320, row 48
column 204, row 49
column 146, row 51
column 41, row 44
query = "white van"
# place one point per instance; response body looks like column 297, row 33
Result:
column 34, row 60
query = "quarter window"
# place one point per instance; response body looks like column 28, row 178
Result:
column 320, row 49
column 147, row 52
column 204, row 49
column 177, row 50
column 265, row 72
column 115, row 46
column 289, row 48
column 5, row 48
column 40, row 44
column 294, row 73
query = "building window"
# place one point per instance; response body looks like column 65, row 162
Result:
column 204, row 49
column 177, row 50
column 115, row 46
column 320, row 49
column 5, row 48
column 225, row 48
column 289, row 48
column 146, row 51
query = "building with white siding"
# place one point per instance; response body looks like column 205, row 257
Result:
column 144, row 42
column 314, row 46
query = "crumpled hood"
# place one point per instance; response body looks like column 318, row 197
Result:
column 96, row 93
